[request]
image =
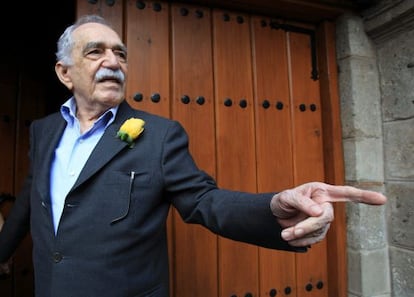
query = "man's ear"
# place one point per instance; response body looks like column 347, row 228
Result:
column 63, row 75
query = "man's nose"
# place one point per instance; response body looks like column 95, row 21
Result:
column 111, row 59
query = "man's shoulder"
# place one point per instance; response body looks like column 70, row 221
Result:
column 148, row 117
column 160, row 124
column 53, row 117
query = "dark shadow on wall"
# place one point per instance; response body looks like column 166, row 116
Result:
column 29, row 32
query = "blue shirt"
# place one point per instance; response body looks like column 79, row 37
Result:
column 72, row 153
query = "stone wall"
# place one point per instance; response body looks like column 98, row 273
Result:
column 375, row 52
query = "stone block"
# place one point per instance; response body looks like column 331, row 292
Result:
column 368, row 273
column 399, row 149
column 364, row 159
column 402, row 272
column 396, row 66
column 366, row 226
column 360, row 98
column 351, row 38
column 389, row 19
column 401, row 207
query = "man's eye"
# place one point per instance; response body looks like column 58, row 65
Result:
column 122, row 56
column 95, row 51
column 98, row 53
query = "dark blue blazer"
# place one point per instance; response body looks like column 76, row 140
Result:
column 111, row 240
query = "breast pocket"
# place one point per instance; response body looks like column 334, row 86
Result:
column 123, row 188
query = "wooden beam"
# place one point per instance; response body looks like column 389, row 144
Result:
column 312, row 11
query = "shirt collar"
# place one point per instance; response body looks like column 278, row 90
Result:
column 68, row 111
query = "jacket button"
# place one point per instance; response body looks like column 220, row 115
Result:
column 57, row 257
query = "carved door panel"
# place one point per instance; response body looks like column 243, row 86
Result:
column 274, row 143
column 194, row 247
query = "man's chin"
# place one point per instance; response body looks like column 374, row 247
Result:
column 112, row 94
column 114, row 101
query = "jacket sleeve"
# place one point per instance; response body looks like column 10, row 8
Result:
column 236, row 215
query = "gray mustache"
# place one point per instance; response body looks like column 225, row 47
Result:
column 106, row 73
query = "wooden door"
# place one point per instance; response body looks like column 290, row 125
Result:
column 308, row 154
column 193, row 105
column 274, row 143
column 246, row 89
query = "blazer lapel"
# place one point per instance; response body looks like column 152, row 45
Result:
column 107, row 147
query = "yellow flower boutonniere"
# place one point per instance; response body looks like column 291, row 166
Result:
column 130, row 130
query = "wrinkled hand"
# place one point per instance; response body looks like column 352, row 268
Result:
column 306, row 212
column 4, row 267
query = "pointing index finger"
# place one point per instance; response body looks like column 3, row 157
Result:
column 352, row 194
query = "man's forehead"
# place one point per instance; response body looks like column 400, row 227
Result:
column 96, row 32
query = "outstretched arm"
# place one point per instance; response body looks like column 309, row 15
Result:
column 306, row 212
